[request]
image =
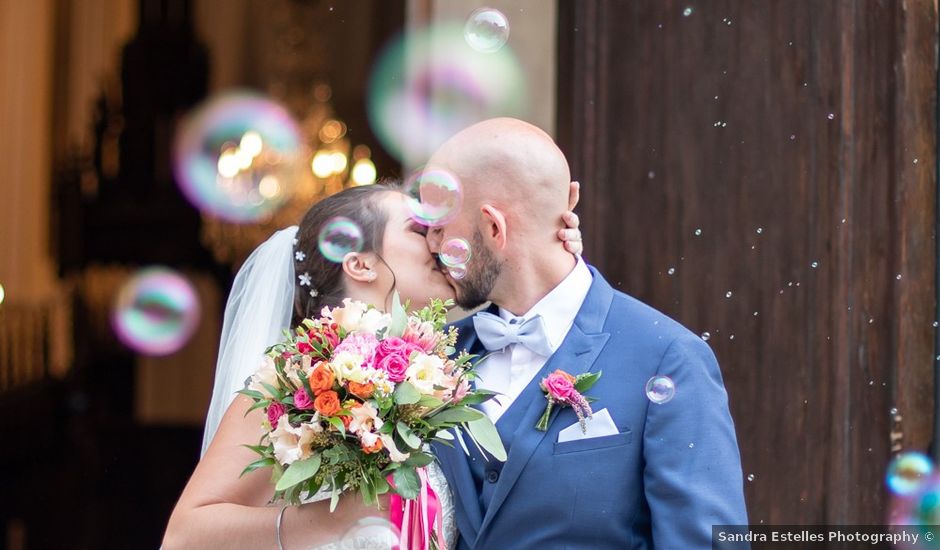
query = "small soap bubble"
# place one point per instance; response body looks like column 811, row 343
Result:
column 486, row 30
column 907, row 473
column 338, row 237
column 706, row 336
column 455, row 252
column 660, row 389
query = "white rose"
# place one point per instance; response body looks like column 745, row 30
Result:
column 348, row 366
column 374, row 320
column 425, row 372
column 350, row 315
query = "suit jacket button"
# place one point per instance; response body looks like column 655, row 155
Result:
column 492, row 476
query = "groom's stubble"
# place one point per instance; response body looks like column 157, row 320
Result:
column 483, row 271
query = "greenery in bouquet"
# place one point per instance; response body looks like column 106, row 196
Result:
column 354, row 397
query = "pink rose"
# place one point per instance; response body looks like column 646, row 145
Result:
column 390, row 346
column 395, row 365
column 559, row 386
column 275, row 411
column 302, row 400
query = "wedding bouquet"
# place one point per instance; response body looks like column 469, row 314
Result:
column 353, row 397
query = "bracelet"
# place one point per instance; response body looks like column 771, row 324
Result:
column 277, row 527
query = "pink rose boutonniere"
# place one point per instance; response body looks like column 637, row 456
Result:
column 565, row 390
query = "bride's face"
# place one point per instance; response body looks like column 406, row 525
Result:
column 405, row 250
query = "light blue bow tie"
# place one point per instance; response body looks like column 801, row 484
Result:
column 495, row 333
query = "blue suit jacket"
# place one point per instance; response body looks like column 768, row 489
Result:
column 670, row 474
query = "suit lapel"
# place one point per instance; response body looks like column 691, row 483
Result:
column 577, row 355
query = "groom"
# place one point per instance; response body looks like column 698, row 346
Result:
column 646, row 474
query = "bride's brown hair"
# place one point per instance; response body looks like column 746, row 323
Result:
column 362, row 206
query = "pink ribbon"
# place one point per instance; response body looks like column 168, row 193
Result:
column 415, row 518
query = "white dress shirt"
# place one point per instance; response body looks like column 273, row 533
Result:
column 509, row 371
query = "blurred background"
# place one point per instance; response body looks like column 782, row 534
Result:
column 765, row 172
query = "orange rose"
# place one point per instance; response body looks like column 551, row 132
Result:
column 572, row 379
column 363, row 391
column 321, row 379
column 373, row 449
column 327, row 403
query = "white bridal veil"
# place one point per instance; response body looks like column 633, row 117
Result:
column 258, row 310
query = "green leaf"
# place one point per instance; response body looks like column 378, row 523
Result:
column 419, row 460
column 583, row 382
column 334, row 499
column 444, row 434
column 273, row 391
column 257, row 465
column 407, row 483
column 299, row 471
column 410, row 439
column 478, row 396
column 406, row 394
column 258, row 405
column 457, row 414
column 484, row 433
column 337, row 422
column 429, row 401
column 254, row 394
column 399, row 317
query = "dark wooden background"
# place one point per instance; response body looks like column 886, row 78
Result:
column 788, row 132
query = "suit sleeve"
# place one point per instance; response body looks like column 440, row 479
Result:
column 692, row 467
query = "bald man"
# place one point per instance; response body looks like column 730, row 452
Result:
column 643, row 475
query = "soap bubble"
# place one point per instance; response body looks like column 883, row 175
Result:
column 907, row 472
column 486, row 30
column 660, row 389
column 429, row 84
column 339, row 236
column 434, row 196
column 371, row 532
column 238, row 156
column 455, row 252
column 156, row 311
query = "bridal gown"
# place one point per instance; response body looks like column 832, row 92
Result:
column 377, row 539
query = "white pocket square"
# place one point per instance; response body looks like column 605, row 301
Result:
column 599, row 425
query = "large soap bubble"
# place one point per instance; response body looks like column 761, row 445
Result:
column 430, row 84
column 156, row 311
column 238, row 156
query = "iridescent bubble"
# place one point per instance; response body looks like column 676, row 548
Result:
column 706, row 336
column 660, row 389
column 238, row 157
column 486, row 30
column 687, row 12
column 429, row 84
column 155, row 312
column 434, row 196
column 371, row 532
column 455, row 252
column 671, row 271
column 339, row 236
column 458, row 272
column 814, row 265
column 908, row 472
column 698, row 232
column 750, row 477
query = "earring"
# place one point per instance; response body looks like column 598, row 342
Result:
column 372, row 275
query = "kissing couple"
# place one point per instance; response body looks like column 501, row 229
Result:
column 643, row 473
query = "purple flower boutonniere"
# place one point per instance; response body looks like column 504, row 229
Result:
column 565, row 390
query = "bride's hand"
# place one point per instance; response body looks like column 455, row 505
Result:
column 571, row 235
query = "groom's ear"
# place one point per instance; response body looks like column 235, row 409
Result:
column 494, row 225
column 360, row 266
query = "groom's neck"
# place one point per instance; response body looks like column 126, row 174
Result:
column 526, row 280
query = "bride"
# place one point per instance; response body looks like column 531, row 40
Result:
column 285, row 280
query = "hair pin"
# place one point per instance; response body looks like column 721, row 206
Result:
column 305, row 279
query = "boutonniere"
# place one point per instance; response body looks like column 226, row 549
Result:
column 565, row 390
